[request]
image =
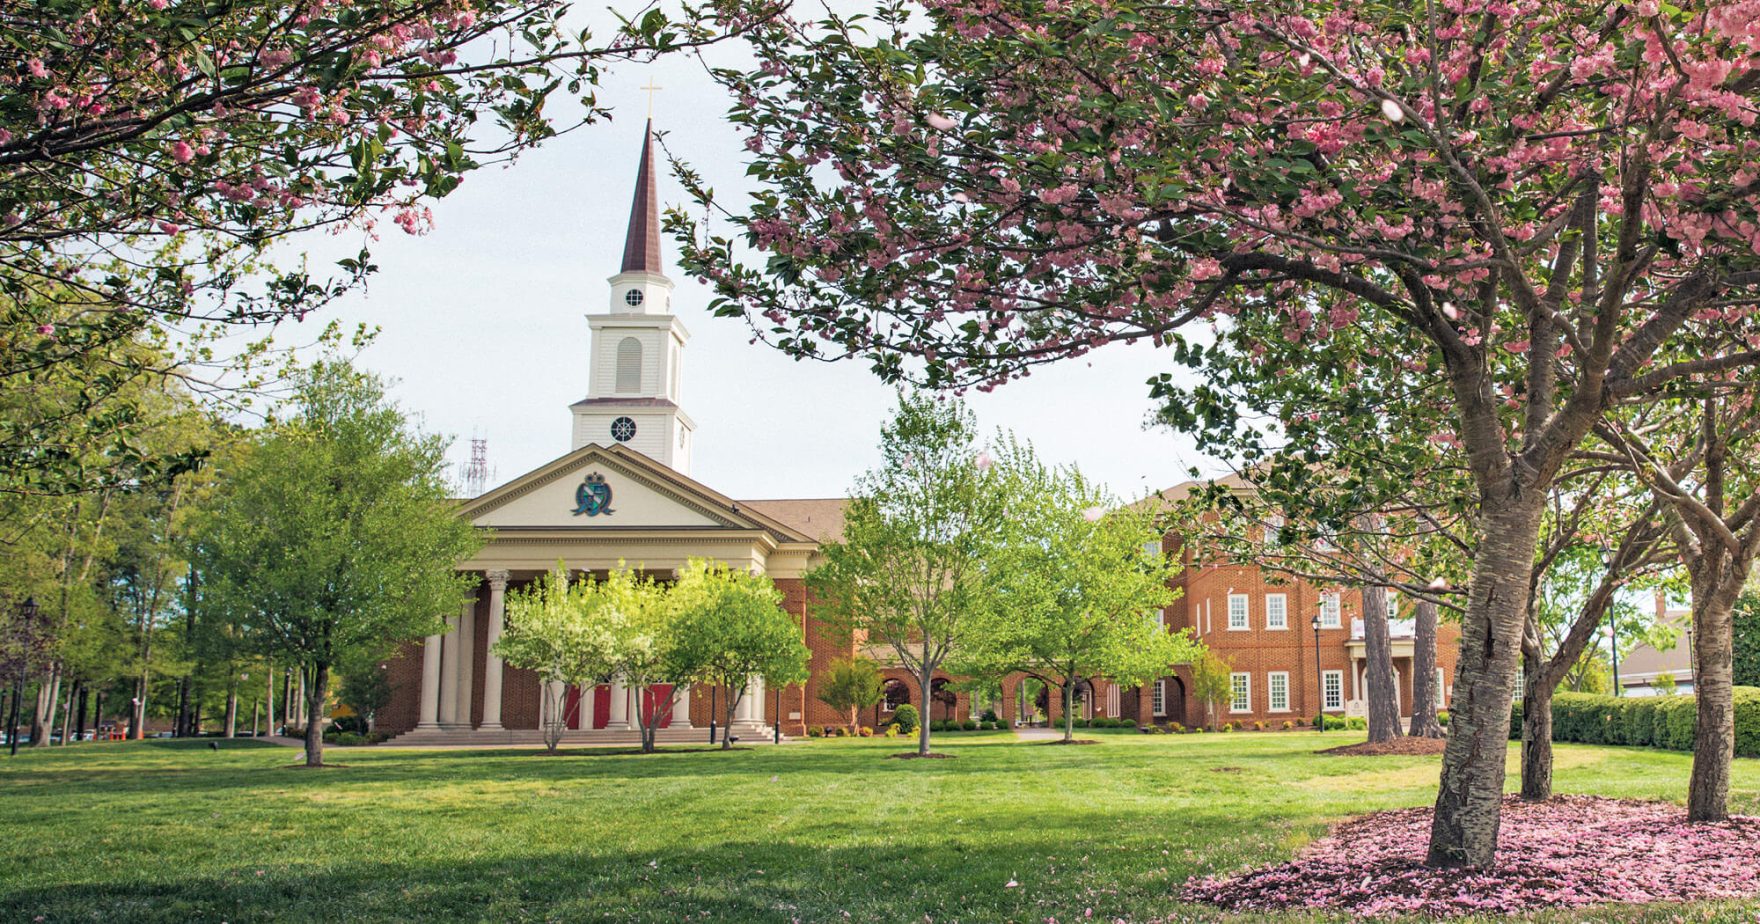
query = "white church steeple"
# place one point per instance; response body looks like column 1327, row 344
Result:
column 633, row 390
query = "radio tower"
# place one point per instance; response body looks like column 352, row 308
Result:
column 476, row 475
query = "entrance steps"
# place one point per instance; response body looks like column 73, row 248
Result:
column 602, row 737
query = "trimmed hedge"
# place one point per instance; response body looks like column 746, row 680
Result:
column 1645, row 721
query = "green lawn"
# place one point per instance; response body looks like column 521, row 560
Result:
column 809, row 831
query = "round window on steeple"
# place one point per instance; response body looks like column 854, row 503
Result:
column 623, row 429
column 633, row 297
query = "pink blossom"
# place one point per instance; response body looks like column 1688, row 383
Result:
column 940, row 122
column 182, row 152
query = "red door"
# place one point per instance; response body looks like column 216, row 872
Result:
column 571, row 708
column 657, row 696
column 601, row 705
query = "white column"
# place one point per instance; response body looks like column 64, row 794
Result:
column 681, row 706
column 584, row 714
column 449, row 675
column 466, row 663
column 430, row 683
column 491, row 661
column 753, row 701
column 619, row 718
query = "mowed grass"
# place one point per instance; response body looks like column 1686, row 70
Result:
column 815, row 831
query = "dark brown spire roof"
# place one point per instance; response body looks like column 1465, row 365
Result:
column 641, row 246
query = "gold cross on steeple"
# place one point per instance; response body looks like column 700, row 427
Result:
column 651, row 88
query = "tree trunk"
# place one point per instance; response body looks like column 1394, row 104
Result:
column 925, row 679
column 1716, row 585
column 232, row 713
column 269, row 698
column 733, row 698
column 314, row 704
column 1469, row 800
column 1536, row 733
column 43, row 722
column 67, row 715
column 1069, row 709
column 181, row 728
column 84, row 698
column 1378, row 652
column 137, row 710
column 1425, row 694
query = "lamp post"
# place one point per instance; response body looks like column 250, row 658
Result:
column 713, row 712
column 1319, row 677
column 1613, row 629
column 27, row 616
column 776, row 728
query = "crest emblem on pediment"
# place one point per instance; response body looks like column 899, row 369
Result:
column 593, row 497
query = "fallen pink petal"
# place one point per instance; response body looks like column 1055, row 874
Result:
column 1571, row 852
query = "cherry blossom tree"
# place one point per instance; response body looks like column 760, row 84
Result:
column 153, row 151
column 1538, row 208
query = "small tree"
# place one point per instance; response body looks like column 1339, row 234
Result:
column 647, row 643
column 851, row 685
column 334, row 539
column 1076, row 594
column 731, row 628
column 555, row 629
column 909, row 572
column 1210, row 683
column 366, row 690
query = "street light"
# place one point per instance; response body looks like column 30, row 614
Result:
column 1319, row 677
column 27, row 615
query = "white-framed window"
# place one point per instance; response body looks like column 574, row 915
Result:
column 1332, row 689
column 1330, row 611
column 1276, row 611
column 629, row 365
column 1158, row 698
column 1241, row 686
column 1152, row 549
column 1273, row 527
column 1237, row 613
column 1392, row 605
column 1439, row 691
column 1521, row 683
column 1277, row 691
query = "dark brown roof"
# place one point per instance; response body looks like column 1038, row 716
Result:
column 624, row 402
column 820, row 518
column 641, row 246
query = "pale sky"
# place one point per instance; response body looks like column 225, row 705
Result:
column 484, row 330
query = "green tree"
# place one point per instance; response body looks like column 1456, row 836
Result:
column 334, row 538
column 1211, row 684
column 557, row 629
column 644, row 620
column 909, row 570
column 731, row 628
column 366, row 689
column 851, row 685
column 1076, row 593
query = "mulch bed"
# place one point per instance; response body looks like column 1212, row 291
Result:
column 913, row 755
column 1071, row 741
column 1570, row 852
column 1401, row 745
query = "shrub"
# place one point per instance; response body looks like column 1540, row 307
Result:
column 1287, row 725
column 905, row 717
column 867, row 731
column 815, row 732
column 1199, row 730
column 1442, row 717
column 1258, row 726
column 1667, row 722
column 1356, row 723
column 1227, row 727
column 1318, row 721
column 988, row 716
column 1338, row 723
column 969, row 725
column 348, row 739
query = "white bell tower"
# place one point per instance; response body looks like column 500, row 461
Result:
column 637, row 345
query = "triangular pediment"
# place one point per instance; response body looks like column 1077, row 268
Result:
column 613, row 488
